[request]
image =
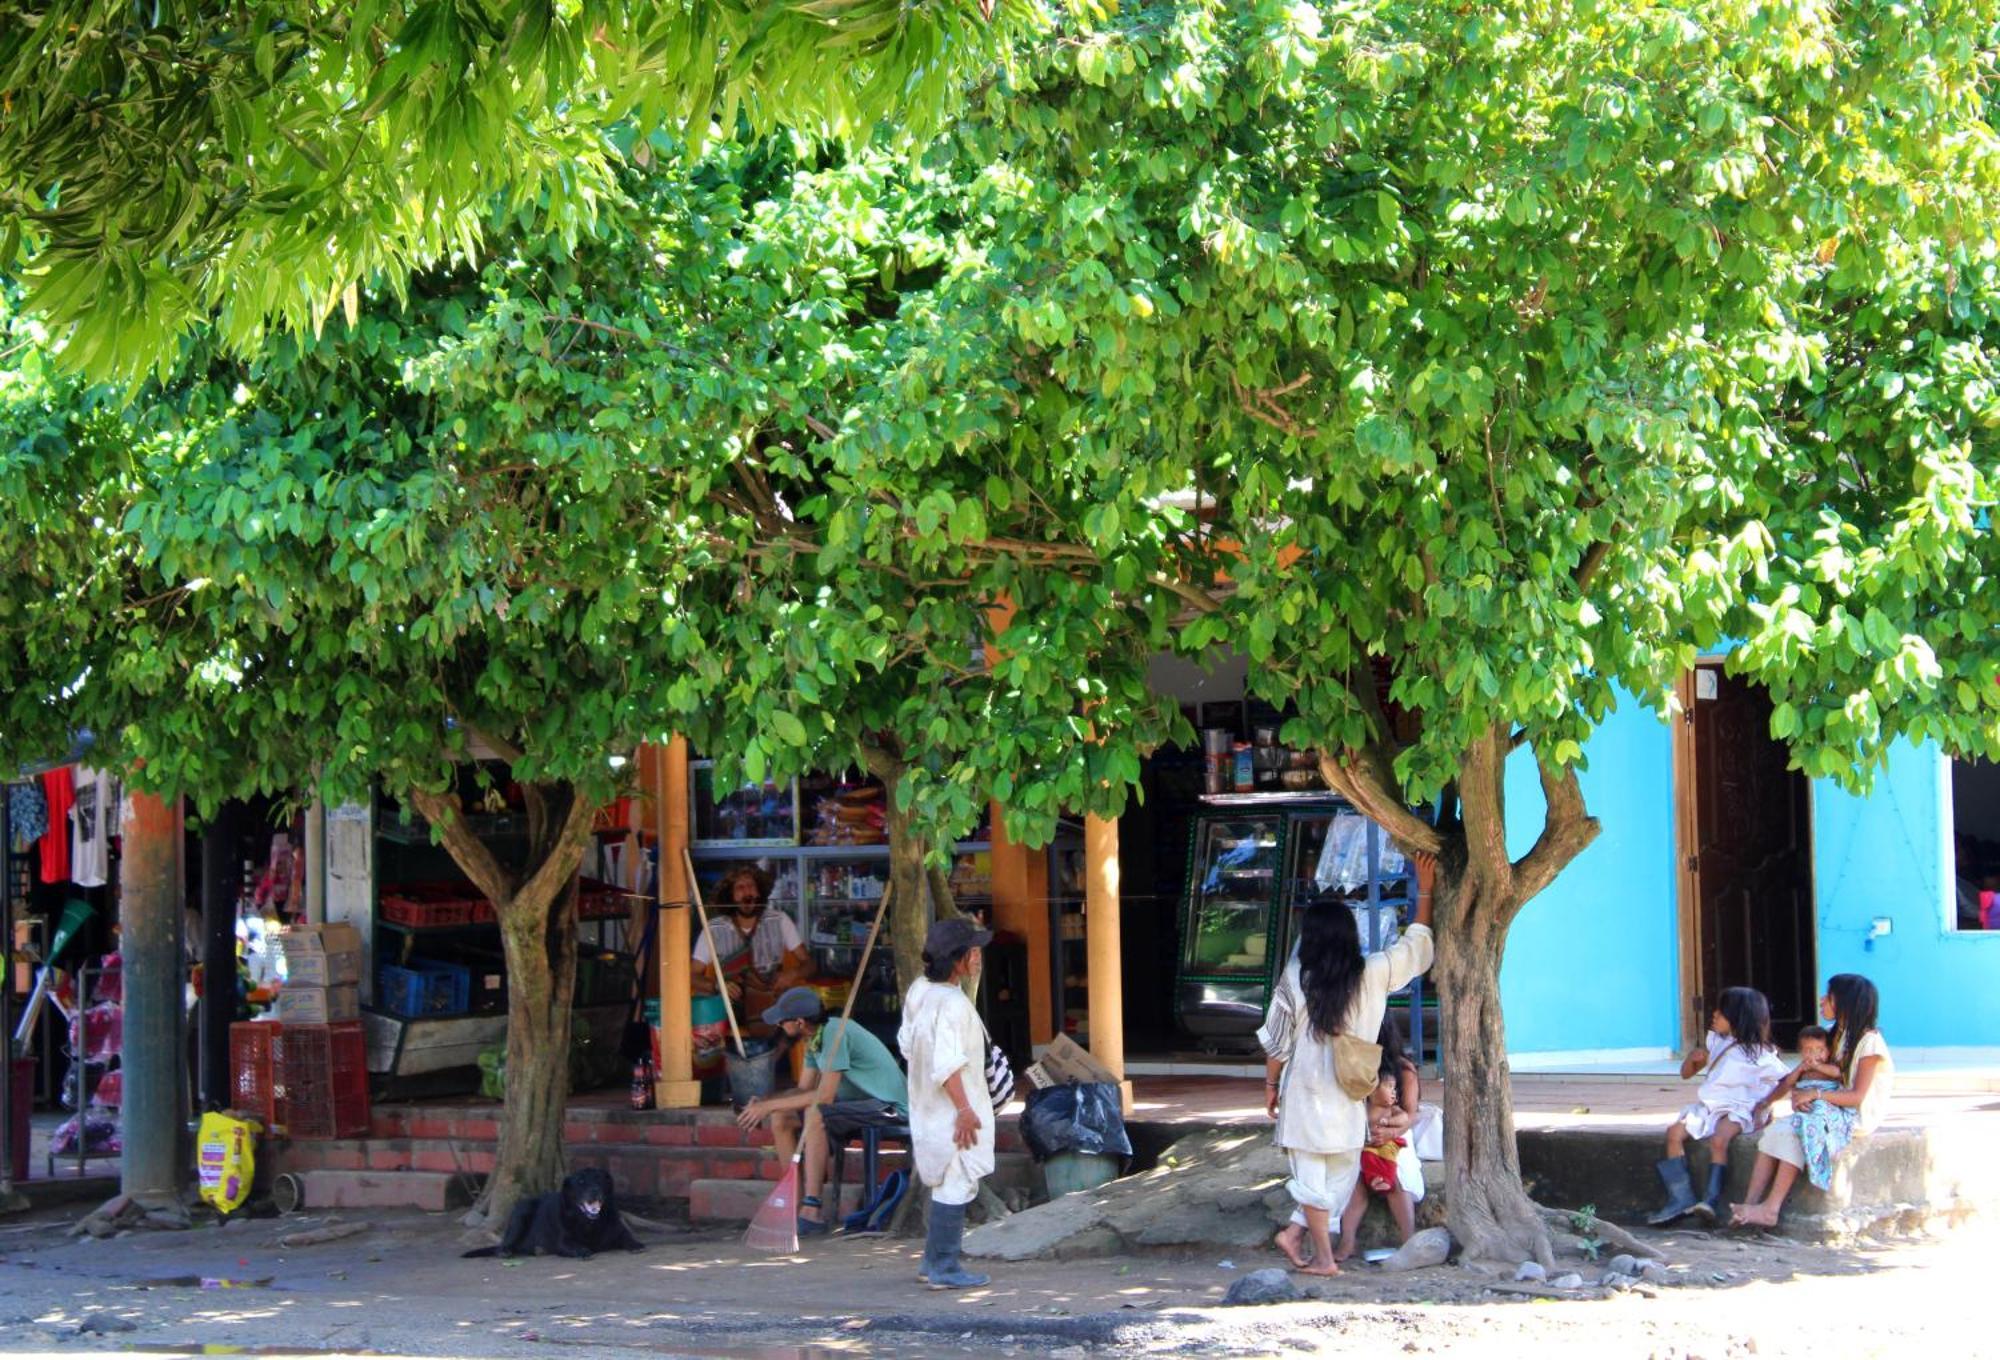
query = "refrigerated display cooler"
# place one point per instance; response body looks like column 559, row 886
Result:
column 1254, row 860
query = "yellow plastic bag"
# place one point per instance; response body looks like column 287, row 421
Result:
column 226, row 1159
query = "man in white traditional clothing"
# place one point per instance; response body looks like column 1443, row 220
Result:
column 951, row 1113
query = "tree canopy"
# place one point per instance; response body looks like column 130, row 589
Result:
column 162, row 164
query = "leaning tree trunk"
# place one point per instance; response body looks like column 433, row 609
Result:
column 536, row 908
column 1486, row 1206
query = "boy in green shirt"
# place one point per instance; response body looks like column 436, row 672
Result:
column 850, row 1084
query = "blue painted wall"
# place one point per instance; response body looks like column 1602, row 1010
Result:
column 1890, row 854
column 1593, row 963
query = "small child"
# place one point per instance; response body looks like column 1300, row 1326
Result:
column 1816, row 1070
column 1743, row 1067
column 1388, row 1128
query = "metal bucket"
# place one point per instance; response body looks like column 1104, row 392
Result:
column 754, row 1076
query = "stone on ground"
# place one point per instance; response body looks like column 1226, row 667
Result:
column 1532, row 1272
column 1430, row 1247
column 1220, row 1190
column 1269, row 1285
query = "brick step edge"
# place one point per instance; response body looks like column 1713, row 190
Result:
column 657, row 1128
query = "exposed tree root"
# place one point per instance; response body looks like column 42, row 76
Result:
column 1608, row 1233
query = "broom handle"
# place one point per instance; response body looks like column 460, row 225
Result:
column 714, row 954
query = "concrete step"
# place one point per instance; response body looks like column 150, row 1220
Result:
column 735, row 1201
column 1901, row 1179
column 478, row 1121
column 739, row 1201
column 432, row 1190
column 640, row 1170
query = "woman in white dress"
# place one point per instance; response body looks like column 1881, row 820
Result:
column 1328, row 990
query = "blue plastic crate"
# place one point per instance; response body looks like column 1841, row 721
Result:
column 423, row 989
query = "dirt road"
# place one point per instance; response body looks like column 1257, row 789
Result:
column 400, row 1289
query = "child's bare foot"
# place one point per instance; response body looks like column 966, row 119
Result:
column 1753, row 1216
column 1328, row 1269
column 1287, row 1241
column 1344, row 1250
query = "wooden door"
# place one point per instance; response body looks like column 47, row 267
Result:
column 1751, row 861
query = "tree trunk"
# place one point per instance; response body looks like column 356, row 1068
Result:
column 539, row 940
column 536, row 907
column 910, row 913
column 1486, row 1207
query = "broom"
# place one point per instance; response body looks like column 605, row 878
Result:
column 775, row 1227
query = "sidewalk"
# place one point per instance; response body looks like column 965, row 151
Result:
column 1620, row 1100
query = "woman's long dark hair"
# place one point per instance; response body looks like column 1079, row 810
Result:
column 1749, row 1017
column 1856, row 1004
column 1330, row 963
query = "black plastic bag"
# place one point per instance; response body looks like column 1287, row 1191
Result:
column 1086, row 1117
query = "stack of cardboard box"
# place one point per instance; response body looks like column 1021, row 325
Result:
column 322, row 975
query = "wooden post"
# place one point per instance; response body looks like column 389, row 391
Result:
column 675, row 1087
column 154, row 1060
column 1100, row 915
column 1021, row 906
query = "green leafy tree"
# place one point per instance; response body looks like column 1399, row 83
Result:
column 358, row 560
column 162, row 163
column 897, row 581
column 1523, row 356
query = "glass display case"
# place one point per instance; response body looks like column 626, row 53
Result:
column 1069, row 954
column 1252, row 866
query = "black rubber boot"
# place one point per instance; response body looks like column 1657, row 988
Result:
column 941, row 1267
column 1674, row 1174
column 1711, row 1207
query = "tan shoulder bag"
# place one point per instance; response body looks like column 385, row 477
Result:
column 1357, row 1066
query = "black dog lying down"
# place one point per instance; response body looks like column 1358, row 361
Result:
column 578, row 1220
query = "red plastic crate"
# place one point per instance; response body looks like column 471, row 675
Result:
column 253, row 1070
column 448, row 912
column 324, row 1080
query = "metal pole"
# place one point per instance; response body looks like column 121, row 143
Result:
column 154, row 1058
column 219, row 858
column 80, row 1064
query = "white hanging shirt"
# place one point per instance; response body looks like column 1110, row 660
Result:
column 93, row 819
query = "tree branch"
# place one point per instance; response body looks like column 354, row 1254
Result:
column 467, row 850
column 1361, row 784
column 1567, row 828
column 565, row 853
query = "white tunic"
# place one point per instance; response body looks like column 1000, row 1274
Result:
column 1732, row 1085
column 1314, row 1114
column 941, row 1034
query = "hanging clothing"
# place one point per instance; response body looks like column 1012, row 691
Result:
column 59, row 786
column 93, row 821
column 27, row 815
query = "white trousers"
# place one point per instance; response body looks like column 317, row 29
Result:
column 1322, row 1180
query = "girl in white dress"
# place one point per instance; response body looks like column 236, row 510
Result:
column 1743, row 1068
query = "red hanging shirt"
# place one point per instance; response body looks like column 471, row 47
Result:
column 60, row 787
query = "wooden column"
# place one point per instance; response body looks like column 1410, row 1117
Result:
column 1021, row 906
column 675, row 1087
column 1100, row 914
